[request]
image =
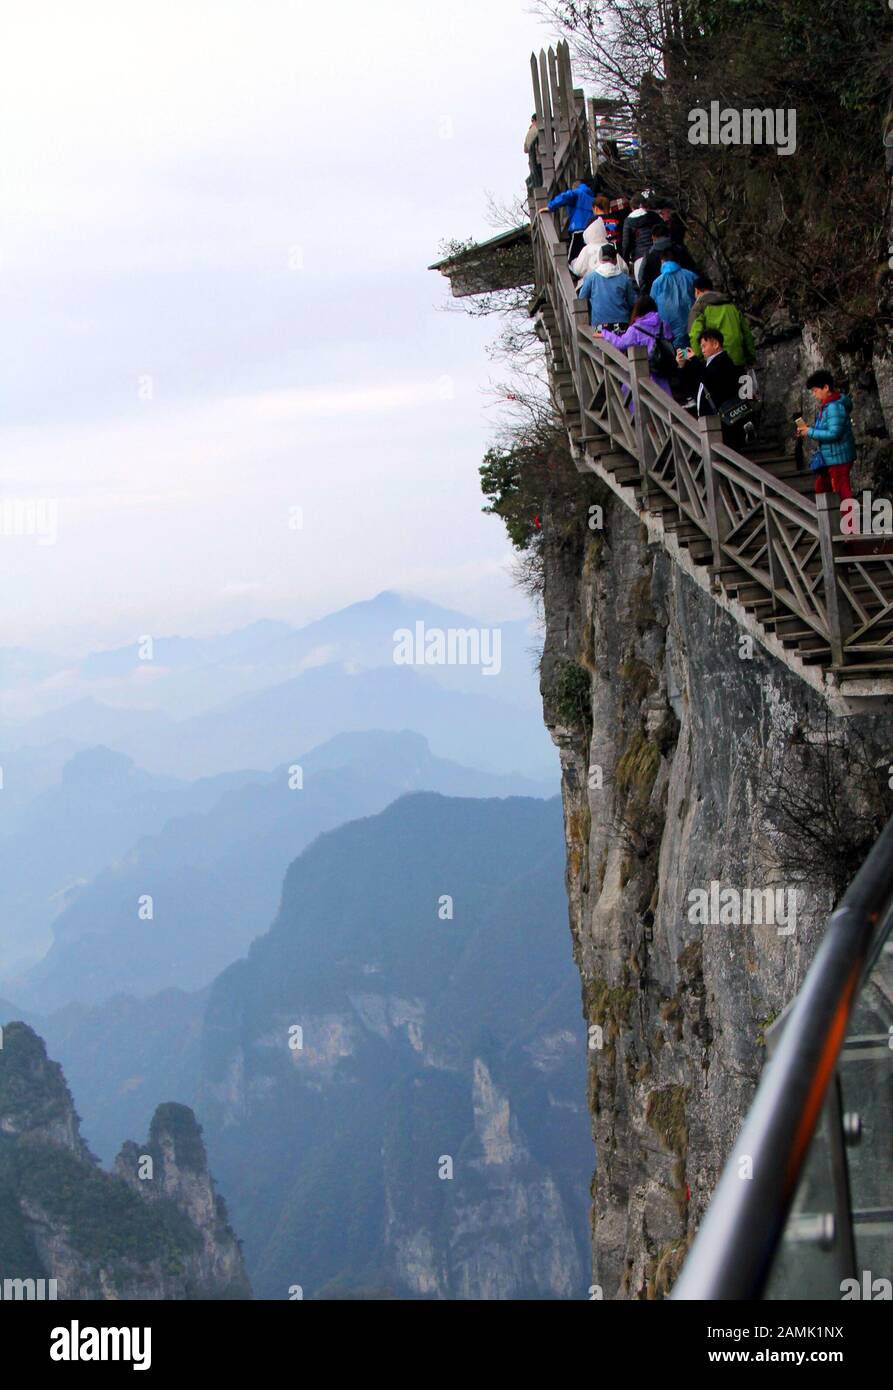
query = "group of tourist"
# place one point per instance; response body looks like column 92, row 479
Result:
column 644, row 289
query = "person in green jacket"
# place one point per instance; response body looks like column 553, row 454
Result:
column 713, row 309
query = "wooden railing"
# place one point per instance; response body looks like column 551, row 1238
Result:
column 762, row 532
column 561, row 117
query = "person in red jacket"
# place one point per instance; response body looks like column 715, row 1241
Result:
column 602, row 209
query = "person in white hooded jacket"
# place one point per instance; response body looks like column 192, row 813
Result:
column 595, row 237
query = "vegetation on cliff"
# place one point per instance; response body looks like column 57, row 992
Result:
column 63, row 1217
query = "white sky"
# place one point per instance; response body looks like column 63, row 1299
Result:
column 238, row 199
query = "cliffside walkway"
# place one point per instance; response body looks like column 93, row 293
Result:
column 749, row 531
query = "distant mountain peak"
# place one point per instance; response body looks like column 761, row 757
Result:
column 140, row 1233
column 35, row 1101
column 97, row 766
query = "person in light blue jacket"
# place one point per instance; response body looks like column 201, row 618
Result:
column 609, row 290
column 833, row 432
column 674, row 294
column 578, row 201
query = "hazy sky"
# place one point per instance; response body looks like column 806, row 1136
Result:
column 217, row 217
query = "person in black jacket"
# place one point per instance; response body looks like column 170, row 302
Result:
column 674, row 227
column 651, row 264
column 714, row 382
column 637, row 231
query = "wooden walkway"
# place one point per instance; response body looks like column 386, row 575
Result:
column 750, row 530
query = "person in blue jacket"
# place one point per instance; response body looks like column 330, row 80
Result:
column 833, row 432
column 610, row 291
column 674, row 294
column 578, row 201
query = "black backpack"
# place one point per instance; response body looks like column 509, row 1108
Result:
column 662, row 356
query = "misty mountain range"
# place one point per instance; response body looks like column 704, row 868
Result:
column 280, row 828
column 427, row 1032
column 64, row 819
column 185, row 676
column 214, row 874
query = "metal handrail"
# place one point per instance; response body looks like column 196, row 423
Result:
column 733, row 1252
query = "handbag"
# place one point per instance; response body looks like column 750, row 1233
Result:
column 736, row 412
column 818, row 462
column 733, row 412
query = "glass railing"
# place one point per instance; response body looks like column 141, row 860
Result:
column 818, row 1210
column 841, row 1222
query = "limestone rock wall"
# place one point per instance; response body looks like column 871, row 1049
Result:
column 664, row 785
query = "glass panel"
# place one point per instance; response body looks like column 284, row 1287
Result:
column 808, row 1262
column 866, row 1074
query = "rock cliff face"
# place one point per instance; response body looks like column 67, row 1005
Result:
column 157, row 1230
column 395, row 1099
column 504, row 1232
column 683, row 739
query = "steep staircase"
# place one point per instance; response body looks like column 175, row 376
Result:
column 749, row 530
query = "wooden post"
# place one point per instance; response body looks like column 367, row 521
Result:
column 840, row 618
column 555, row 90
column 604, row 380
column 564, row 81
column 710, row 431
column 582, row 327
column 538, row 99
column 639, row 371
column 592, row 130
column 545, row 144
column 547, row 138
column 769, row 526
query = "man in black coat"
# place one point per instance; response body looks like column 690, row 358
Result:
column 674, row 227
column 714, row 382
column 637, row 229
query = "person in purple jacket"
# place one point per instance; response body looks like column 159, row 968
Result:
column 645, row 328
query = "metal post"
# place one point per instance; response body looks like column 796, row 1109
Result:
column 844, row 1237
